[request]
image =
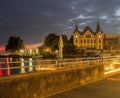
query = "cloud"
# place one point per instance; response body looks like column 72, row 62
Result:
column 70, row 27
column 117, row 12
column 72, row 7
column 84, row 23
column 84, row 17
column 34, row 19
column 103, row 17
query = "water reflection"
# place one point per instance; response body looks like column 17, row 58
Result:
column 0, row 70
column 7, row 67
column 30, row 65
column 22, row 66
column 10, row 66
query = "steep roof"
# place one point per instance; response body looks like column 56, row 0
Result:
column 76, row 29
column 88, row 28
column 98, row 26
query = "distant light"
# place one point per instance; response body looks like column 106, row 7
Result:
column 56, row 51
column 30, row 51
column 21, row 51
column 37, row 51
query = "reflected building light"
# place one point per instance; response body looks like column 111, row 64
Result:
column 1, row 69
column 7, row 67
column 22, row 66
column 30, row 64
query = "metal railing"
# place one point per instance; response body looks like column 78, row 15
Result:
column 22, row 66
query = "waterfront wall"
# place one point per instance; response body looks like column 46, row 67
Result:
column 43, row 84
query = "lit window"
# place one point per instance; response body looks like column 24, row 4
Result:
column 91, row 41
column 76, row 41
column 87, row 41
column 84, row 41
column 99, row 41
column 99, row 47
column 99, row 36
column 76, row 36
column 94, row 41
column 81, row 41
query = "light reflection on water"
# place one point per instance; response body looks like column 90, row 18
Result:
column 16, row 66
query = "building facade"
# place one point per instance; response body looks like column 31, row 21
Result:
column 88, row 39
column 112, row 41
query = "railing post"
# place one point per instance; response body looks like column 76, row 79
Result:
column 73, row 62
column 88, row 62
column 60, row 63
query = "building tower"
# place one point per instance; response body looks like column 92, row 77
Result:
column 99, row 36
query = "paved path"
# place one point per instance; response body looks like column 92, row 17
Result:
column 107, row 88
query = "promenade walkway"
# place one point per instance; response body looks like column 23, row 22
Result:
column 107, row 88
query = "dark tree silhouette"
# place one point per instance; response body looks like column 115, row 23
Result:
column 14, row 45
column 52, row 40
column 49, row 40
column 71, row 39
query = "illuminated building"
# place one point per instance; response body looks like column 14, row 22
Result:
column 44, row 50
column 88, row 39
column 112, row 41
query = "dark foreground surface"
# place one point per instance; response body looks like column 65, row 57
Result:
column 107, row 88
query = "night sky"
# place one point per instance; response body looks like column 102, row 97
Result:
column 33, row 20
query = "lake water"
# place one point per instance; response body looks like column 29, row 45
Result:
column 16, row 66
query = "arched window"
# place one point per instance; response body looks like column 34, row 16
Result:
column 76, row 41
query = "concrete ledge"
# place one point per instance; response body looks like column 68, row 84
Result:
column 46, row 83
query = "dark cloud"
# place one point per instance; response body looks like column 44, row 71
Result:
column 34, row 19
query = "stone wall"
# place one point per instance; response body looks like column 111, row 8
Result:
column 43, row 84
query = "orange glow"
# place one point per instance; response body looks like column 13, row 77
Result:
column 2, row 48
column 27, row 46
column 33, row 46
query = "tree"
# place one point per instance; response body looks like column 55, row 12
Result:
column 71, row 39
column 69, row 49
column 52, row 41
column 49, row 40
column 65, row 39
column 14, row 45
